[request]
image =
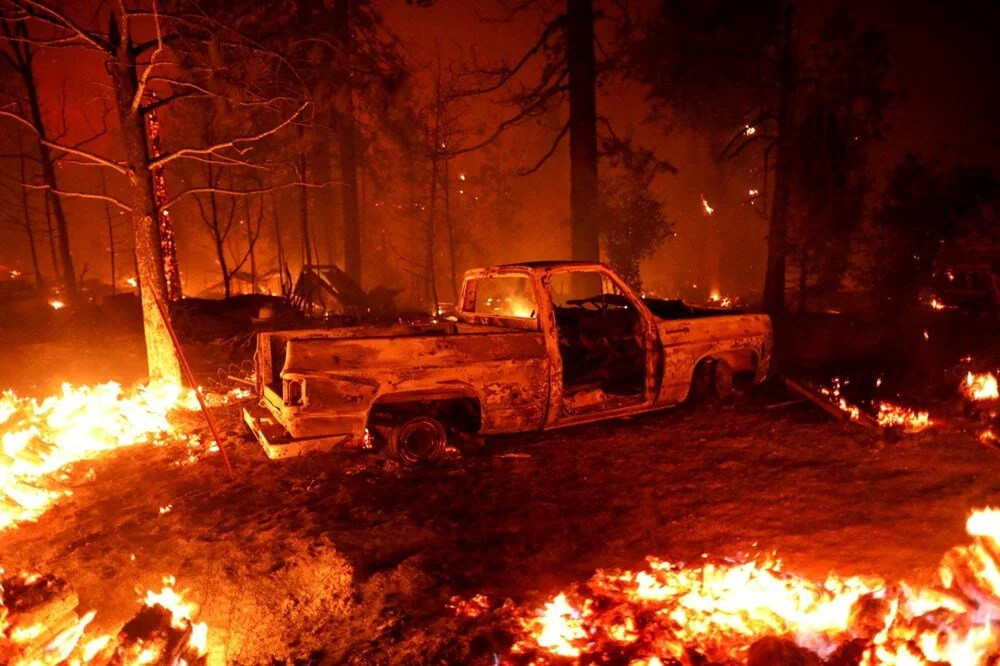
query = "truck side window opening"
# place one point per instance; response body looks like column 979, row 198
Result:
column 503, row 296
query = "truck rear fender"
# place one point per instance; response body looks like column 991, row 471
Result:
column 458, row 406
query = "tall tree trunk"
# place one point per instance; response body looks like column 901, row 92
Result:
column 217, row 236
column 451, row 231
column 161, row 357
column 307, row 257
column 111, row 234
column 324, row 208
column 28, row 227
column 777, row 237
column 251, row 242
column 49, row 175
column 349, row 189
column 429, row 255
column 583, row 218
column 50, row 232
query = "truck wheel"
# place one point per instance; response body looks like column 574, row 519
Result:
column 713, row 380
column 420, row 439
column 722, row 380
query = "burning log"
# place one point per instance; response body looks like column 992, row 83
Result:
column 841, row 413
column 39, row 624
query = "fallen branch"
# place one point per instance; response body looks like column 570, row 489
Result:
column 823, row 403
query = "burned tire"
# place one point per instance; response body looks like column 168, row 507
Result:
column 722, row 380
column 421, row 439
column 713, row 380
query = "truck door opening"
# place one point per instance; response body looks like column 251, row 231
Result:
column 601, row 340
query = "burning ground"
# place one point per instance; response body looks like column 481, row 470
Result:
column 351, row 558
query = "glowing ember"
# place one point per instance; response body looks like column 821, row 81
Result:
column 894, row 416
column 40, row 438
column 980, row 386
column 57, row 305
column 719, row 301
column 720, row 609
column 704, row 204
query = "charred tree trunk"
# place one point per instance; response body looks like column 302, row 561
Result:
column 161, row 357
column 304, row 206
column 251, row 242
column 349, row 190
column 324, row 210
column 49, row 175
column 50, row 232
column 28, row 227
column 777, row 237
column 583, row 222
column 111, row 234
column 429, row 255
column 450, row 228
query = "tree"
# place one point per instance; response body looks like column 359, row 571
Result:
column 925, row 209
column 738, row 71
column 840, row 117
column 143, row 79
column 22, row 48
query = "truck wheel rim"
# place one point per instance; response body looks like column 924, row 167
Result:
column 418, row 440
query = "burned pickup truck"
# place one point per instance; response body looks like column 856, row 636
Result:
column 531, row 346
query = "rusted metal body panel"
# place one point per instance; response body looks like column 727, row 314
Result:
column 318, row 387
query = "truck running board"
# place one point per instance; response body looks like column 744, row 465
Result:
column 278, row 443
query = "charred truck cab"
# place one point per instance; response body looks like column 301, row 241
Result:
column 533, row 346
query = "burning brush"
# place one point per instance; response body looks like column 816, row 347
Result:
column 40, row 625
column 39, row 439
column 753, row 612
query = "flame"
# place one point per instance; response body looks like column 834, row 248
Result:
column 894, row 416
column 57, row 304
column 888, row 415
column 38, row 644
column 980, row 386
column 719, row 609
column 40, row 438
column 704, row 204
column 132, row 282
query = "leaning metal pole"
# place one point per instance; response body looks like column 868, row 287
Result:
column 190, row 377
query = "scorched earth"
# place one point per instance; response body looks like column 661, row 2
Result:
column 350, row 558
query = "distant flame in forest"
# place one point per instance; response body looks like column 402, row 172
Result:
column 982, row 386
column 57, row 304
column 705, row 206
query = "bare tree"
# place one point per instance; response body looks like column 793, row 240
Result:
column 22, row 48
column 183, row 60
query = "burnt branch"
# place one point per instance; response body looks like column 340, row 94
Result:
column 548, row 153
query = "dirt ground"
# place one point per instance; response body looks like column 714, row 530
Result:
column 350, row 558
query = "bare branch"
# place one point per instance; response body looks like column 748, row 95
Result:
column 548, row 153
column 244, row 193
column 68, row 149
column 81, row 195
column 140, row 90
column 54, row 17
column 232, row 143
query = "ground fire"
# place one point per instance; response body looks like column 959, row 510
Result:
column 749, row 611
column 42, row 438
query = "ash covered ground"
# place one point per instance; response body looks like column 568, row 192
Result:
column 351, row 558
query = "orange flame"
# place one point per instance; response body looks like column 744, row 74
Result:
column 980, row 386
column 719, row 610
